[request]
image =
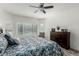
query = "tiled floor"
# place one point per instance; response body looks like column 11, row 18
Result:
column 70, row 53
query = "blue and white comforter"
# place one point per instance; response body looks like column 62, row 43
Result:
column 34, row 46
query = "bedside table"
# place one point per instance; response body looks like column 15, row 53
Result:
column 42, row 34
column 62, row 38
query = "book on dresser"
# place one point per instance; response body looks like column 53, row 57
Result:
column 62, row 38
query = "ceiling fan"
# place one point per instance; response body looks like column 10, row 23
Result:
column 42, row 8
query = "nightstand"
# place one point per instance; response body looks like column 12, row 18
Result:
column 62, row 38
column 42, row 34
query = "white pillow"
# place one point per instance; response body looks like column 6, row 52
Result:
column 3, row 44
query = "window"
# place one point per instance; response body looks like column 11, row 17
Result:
column 27, row 29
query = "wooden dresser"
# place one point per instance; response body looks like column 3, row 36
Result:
column 62, row 38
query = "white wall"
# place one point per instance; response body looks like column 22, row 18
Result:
column 8, row 21
column 68, row 19
column 4, row 19
column 15, row 19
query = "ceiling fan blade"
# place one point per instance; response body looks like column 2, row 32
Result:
column 36, row 11
column 34, row 6
column 44, row 11
column 47, row 7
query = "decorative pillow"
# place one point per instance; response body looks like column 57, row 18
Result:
column 3, row 44
column 11, row 41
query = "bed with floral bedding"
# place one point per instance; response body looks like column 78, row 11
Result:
column 30, row 46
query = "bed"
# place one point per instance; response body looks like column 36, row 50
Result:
column 33, row 46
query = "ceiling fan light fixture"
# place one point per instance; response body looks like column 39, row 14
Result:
column 42, row 8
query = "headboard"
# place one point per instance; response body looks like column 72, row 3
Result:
column 1, row 30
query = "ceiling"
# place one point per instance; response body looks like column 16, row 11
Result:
column 24, row 9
